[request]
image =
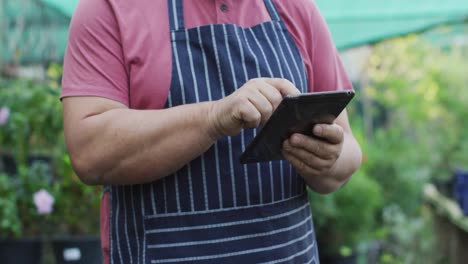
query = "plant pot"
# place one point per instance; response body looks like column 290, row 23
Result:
column 7, row 164
column 77, row 250
column 20, row 251
column 445, row 187
column 461, row 189
column 327, row 259
column 338, row 259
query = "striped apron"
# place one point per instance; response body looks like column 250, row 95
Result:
column 216, row 210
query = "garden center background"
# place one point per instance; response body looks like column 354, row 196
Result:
column 408, row 61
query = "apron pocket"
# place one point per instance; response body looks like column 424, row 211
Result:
column 253, row 234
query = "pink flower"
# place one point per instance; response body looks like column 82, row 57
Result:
column 4, row 114
column 44, row 202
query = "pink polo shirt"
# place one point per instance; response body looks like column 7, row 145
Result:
column 121, row 50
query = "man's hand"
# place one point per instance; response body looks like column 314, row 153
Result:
column 327, row 159
column 315, row 158
column 249, row 106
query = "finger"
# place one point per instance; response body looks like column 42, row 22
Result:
column 332, row 133
column 261, row 103
column 320, row 148
column 284, row 86
column 306, row 157
column 272, row 94
column 300, row 166
column 249, row 115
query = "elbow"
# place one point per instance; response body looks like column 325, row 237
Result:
column 86, row 169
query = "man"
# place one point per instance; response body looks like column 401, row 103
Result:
column 160, row 99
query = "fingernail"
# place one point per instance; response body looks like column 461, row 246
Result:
column 296, row 139
column 318, row 130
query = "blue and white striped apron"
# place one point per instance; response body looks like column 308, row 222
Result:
column 215, row 210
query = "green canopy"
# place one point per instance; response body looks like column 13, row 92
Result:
column 65, row 6
column 358, row 22
column 352, row 23
column 32, row 32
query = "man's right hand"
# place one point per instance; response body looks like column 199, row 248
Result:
column 249, row 106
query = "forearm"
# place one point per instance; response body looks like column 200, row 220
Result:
column 123, row 146
column 111, row 144
column 348, row 162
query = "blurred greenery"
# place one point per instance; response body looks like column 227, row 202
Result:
column 348, row 217
column 33, row 137
column 34, row 124
column 417, row 96
column 9, row 217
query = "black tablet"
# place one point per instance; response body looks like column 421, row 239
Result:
column 295, row 114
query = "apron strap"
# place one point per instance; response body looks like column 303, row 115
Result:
column 176, row 14
column 272, row 10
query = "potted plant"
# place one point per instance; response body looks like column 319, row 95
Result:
column 30, row 119
column 25, row 208
column 31, row 136
column 345, row 220
column 13, row 249
column 78, row 208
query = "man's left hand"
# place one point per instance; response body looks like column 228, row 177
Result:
column 315, row 156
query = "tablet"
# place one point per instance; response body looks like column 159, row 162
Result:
column 295, row 114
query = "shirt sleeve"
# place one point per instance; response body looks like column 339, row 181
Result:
column 329, row 73
column 311, row 34
column 94, row 64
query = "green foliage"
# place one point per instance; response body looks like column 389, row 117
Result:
column 17, row 210
column 408, row 239
column 77, row 204
column 394, row 162
column 9, row 217
column 423, row 91
column 29, row 181
column 35, row 128
column 35, row 121
column 419, row 93
column 347, row 217
column 418, row 105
